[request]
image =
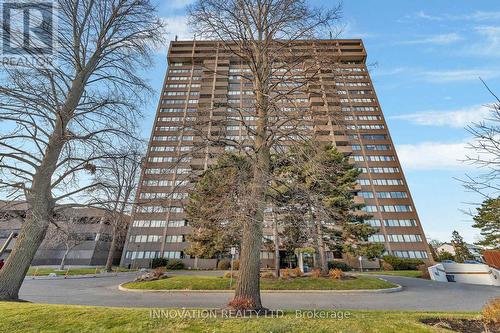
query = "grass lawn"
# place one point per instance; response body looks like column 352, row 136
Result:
column 221, row 283
column 414, row 274
column 27, row 317
column 72, row 271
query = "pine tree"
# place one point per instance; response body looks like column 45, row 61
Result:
column 216, row 207
column 488, row 221
column 462, row 253
column 321, row 182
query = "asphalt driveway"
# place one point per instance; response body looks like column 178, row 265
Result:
column 417, row 294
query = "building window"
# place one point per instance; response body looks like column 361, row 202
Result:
column 411, row 254
column 173, row 254
column 363, row 182
column 176, row 223
column 373, row 222
column 149, row 223
column 176, row 210
column 374, row 137
column 378, row 147
column 400, row 223
column 369, row 209
column 145, row 238
column 174, row 239
column 377, row 238
column 266, row 255
column 396, row 208
column 392, row 195
column 380, row 158
column 404, row 238
column 387, row 182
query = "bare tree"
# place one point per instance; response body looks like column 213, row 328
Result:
column 485, row 153
column 118, row 179
column 66, row 231
column 261, row 35
column 59, row 122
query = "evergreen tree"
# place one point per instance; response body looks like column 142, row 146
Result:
column 216, row 207
column 312, row 192
column 488, row 221
column 462, row 253
column 319, row 183
column 433, row 245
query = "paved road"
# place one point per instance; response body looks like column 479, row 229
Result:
column 417, row 294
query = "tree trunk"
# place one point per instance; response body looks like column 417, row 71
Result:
column 61, row 266
column 31, row 236
column 315, row 241
column 111, row 253
column 248, row 288
column 322, row 249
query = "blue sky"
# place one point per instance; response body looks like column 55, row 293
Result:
column 428, row 57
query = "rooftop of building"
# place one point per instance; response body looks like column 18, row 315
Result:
column 21, row 206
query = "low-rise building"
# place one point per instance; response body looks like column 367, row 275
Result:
column 93, row 229
column 473, row 249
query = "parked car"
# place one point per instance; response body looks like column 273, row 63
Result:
column 447, row 261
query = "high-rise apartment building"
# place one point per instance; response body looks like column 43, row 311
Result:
column 205, row 84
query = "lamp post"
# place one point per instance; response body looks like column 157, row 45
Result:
column 360, row 258
column 233, row 252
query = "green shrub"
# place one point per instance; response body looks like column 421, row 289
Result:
column 175, row 264
column 403, row 264
column 339, row 265
column 445, row 255
column 159, row 262
column 224, row 264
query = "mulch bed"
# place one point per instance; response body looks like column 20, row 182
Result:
column 461, row 325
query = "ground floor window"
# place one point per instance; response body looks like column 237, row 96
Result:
column 411, row 254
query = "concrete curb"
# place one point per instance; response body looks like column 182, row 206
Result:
column 70, row 277
column 184, row 291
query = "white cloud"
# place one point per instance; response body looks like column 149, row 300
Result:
column 477, row 16
column 446, row 76
column 443, row 39
column 177, row 26
column 433, row 155
column 389, row 71
column 489, row 44
column 441, row 76
column 174, row 26
column 348, row 30
column 483, row 16
column 177, row 4
column 436, row 230
column 421, row 14
column 451, row 118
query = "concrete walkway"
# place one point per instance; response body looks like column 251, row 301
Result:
column 417, row 294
